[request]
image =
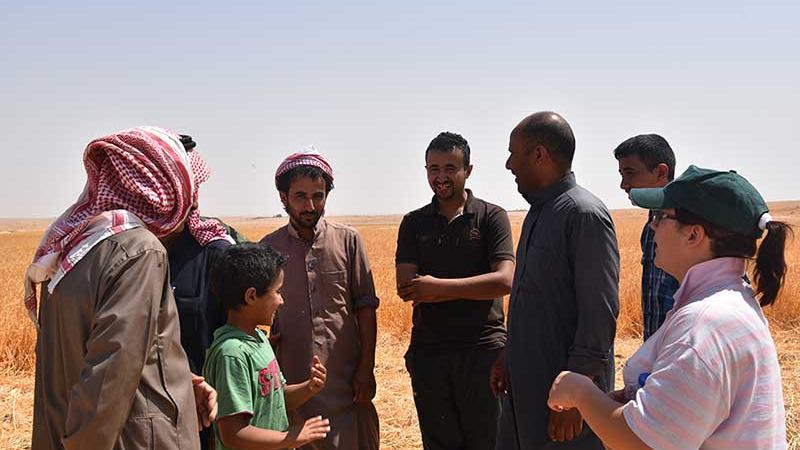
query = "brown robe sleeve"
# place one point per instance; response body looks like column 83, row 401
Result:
column 362, row 284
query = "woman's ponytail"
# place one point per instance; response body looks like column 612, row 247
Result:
column 770, row 269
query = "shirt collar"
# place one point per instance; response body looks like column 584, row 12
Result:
column 319, row 228
column 432, row 208
column 542, row 196
column 708, row 277
column 232, row 331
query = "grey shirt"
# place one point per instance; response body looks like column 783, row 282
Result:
column 563, row 308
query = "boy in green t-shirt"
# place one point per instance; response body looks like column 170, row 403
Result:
column 253, row 396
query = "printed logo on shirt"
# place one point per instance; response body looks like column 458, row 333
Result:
column 269, row 378
column 475, row 234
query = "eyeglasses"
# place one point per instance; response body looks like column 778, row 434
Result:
column 658, row 216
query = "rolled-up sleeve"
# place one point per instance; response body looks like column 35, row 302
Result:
column 362, row 284
column 407, row 252
column 595, row 258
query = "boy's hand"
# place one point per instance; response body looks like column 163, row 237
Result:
column 319, row 374
column 313, row 429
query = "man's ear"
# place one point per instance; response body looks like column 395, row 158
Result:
column 662, row 173
column 541, row 154
column 284, row 198
column 250, row 296
column 468, row 171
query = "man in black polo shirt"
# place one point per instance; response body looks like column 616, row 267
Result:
column 455, row 261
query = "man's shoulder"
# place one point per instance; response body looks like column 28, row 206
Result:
column 340, row 230
column 276, row 235
column 217, row 246
column 489, row 209
column 232, row 232
column 422, row 211
column 136, row 241
column 579, row 200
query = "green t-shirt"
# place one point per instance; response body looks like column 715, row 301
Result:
column 245, row 373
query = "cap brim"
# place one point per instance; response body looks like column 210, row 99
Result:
column 651, row 198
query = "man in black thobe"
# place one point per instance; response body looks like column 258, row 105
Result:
column 564, row 298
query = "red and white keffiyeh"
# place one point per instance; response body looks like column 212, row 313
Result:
column 308, row 157
column 137, row 177
column 203, row 230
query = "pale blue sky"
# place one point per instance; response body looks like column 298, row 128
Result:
column 370, row 85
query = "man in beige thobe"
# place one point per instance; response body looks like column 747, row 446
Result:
column 329, row 306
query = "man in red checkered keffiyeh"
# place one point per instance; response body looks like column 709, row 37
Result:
column 109, row 350
column 138, row 177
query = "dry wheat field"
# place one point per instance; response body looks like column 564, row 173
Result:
column 18, row 239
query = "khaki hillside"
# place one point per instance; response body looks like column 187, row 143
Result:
column 399, row 431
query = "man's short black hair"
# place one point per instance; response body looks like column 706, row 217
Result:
column 652, row 149
column 553, row 132
column 285, row 180
column 448, row 142
column 241, row 267
column 188, row 143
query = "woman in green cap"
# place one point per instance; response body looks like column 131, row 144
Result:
column 709, row 377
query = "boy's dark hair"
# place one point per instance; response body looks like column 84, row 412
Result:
column 652, row 149
column 285, row 180
column 448, row 142
column 243, row 266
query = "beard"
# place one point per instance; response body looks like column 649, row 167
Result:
column 305, row 220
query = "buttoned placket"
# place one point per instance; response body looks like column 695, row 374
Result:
column 522, row 253
column 315, row 291
column 537, row 201
column 444, row 235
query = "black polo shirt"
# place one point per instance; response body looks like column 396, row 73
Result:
column 465, row 247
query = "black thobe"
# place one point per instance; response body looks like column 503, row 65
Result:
column 563, row 309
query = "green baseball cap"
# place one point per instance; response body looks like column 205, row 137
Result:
column 725, row 199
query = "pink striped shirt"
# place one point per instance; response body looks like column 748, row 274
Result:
column 714, row 380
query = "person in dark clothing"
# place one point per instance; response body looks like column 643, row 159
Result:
column 455, row 261
column 190, row 268
column 564, row 298
column 190, row 263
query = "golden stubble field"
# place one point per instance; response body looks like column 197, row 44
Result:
column 18, row 240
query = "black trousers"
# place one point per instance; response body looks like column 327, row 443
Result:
column 455, row 406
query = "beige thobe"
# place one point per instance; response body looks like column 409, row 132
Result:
column 110, row 370
column 325, row 282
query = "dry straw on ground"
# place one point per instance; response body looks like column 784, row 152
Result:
column 394, row 400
